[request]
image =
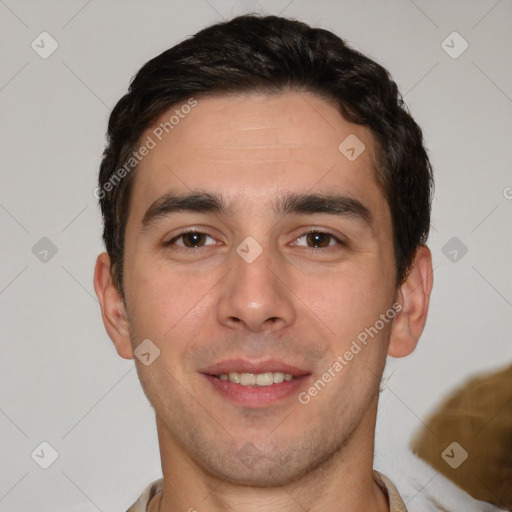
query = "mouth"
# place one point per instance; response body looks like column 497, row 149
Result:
column 255, row 384
column 258, row 379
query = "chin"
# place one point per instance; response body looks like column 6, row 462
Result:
column 265, row 467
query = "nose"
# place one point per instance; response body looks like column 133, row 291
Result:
column 255, row 296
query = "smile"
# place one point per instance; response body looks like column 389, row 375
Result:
column 256, row 379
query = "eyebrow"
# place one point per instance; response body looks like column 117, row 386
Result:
column 199, row 202
column 205, row 202
column 332, row 204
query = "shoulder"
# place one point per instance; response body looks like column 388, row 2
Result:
column 422, row 488
column 141, row 505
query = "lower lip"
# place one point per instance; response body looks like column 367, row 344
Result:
column 257, row 396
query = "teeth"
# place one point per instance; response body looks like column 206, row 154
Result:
column 278, row 377
column 234, row 377
column 247, row 379
column 258, row 379
column 264, row 379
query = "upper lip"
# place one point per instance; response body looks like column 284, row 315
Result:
column 246, row 366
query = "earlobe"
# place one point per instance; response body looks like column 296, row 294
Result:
column 113, row 310
column 414, row 297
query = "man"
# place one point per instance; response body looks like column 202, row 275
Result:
column 266, row 204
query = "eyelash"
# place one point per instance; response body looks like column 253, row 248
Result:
column 309, row 231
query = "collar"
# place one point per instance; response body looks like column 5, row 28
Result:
column 396, row 503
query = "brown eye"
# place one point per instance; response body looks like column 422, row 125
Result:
column 190, row 240
column 193, row 239
column 318, row 239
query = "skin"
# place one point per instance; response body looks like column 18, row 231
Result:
column 296, row 302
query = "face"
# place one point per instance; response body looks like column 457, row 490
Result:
column 290, row 260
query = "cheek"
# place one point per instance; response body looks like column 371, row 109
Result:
column 166, row 301
column 346, row 301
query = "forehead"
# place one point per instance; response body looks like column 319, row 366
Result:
column 253, row 146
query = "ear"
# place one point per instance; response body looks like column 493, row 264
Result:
column 413, row 296
column 113, row 309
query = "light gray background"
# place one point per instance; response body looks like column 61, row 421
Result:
column 61, row 379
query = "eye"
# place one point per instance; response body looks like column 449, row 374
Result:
column 190, row 239
column 318, row 239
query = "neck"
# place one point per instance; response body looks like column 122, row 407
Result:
column 344, row 481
